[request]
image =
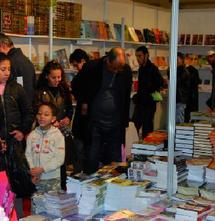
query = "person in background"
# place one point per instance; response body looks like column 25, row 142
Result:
column 211, row 60
column 22, row 68
column 16, row 117
column 45, row 150
column 80, row 122
column 105, row 98
column 193, row 93
column 182, row 88
column 52, row 87
column 149, row 82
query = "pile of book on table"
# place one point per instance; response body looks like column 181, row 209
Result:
column 56, row 204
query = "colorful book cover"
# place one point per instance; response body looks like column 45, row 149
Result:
column 139, row 35
column 7, row 22
column 118, row 32
column 133, row 34
column 110, row 31
column 61, row 56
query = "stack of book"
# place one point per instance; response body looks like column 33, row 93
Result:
column 207, row 191
column 93, row 196
column 121, row 193
column 184, row 139
column 200, row 116
column 179, row 172
column 60, row 203
column 211, row 216
column 202, row 143
column 210, row 176
column 192, row 211
column 196, row 169
column 139, row 171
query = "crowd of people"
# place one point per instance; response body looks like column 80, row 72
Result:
column 38, row 118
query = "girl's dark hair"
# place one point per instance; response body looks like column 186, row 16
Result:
column 51, row 65
column 3, row 57
column 53, row 108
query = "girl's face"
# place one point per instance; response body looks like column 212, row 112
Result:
column 45, row 117
column 4, row 71
column 54, row 78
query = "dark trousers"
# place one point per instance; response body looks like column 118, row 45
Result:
column 144, row 117
column 105, row 146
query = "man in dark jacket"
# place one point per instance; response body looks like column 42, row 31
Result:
column 149, row 81
column 22, row 68
column 80, row 122
column 211, row 61
column 105, row 98
column 182, row 88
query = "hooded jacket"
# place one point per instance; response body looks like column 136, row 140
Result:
column 46, row 148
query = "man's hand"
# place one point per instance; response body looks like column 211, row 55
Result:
column 64, row 122
column 18, row 135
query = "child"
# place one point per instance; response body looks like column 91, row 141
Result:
column 45, row 150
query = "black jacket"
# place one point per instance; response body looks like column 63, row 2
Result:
column 193, row 100
column 91, row 81
column 183, row 85
column 15, row 110
column 21, row 66
column 149, row 81
column 62, row 100
column 211, row 101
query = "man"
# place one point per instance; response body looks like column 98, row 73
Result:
column 21, row 67
column 211, row 61
column 105, row 98
column 192, row 103
column 149, row 81
column 182, row 89
column 80, row 122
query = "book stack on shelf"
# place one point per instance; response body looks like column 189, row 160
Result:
column 184, row 139
column 202, row 143
column 67, row 20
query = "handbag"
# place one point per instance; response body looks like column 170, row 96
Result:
column 18, row 170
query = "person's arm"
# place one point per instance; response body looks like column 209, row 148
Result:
column 128, row 96
column 28, row 152
column 59, row 155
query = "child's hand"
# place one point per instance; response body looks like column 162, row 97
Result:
column 37, row 171
column 18, row 135
column 56, row 124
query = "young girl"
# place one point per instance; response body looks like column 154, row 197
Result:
column 52, row 87
column 45, row 150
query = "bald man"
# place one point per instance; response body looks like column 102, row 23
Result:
column 105, row 94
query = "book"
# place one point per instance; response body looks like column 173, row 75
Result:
column 200, row 39
column 188, row 39
column 195, row 39
column 140, row 35
column 181, row 40
column 118, row 31
column 61, row 57
column 148, row 146
column 133, row 34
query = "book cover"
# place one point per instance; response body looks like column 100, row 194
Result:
column 61, row 56
column 7, row 22
column 109, row 32
column 195, row 39
column 133, row 34
column 209, row 39
column 118, row 32
column 140, row 35
column 200, row 39
column 181, row 40
column 188, row 39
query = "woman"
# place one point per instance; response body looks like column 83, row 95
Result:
column 52, row 87
column 16, row 117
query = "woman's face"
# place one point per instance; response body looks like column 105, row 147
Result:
column 4, row 71
column 54, row 78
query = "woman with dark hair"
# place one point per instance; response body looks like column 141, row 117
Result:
column 52, row 87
